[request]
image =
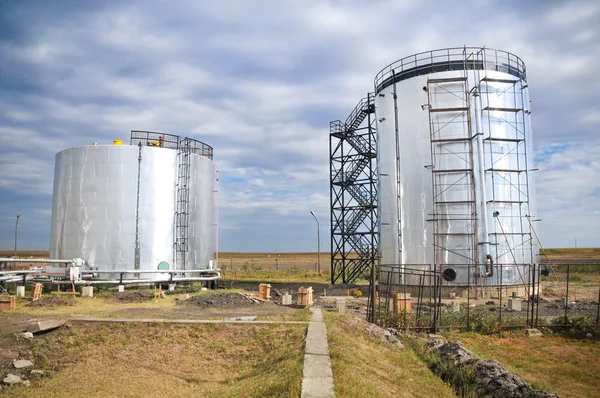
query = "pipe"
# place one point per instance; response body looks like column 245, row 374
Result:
column 489, row 265
column 201, row 271
column 216, row 215
column 484, row 238
column 134, row 281
column 33, row 260
column 137, row 249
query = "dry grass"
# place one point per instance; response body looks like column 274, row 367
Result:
column 364, row 367
column 584, row 253
column 136, row 360
column 104, row 306
column 556, row 364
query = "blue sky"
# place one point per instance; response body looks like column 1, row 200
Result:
column 260, row 81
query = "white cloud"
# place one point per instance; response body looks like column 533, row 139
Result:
column 260, row 81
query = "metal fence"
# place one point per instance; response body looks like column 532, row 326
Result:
column 417, row 297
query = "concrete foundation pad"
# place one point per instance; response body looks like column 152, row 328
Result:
column 44, row 326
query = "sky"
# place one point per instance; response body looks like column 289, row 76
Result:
column 260, row 81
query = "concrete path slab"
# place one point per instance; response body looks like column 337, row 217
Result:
column 44, row 326
column 318, row 377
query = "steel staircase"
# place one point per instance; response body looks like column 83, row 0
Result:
column 353, row 193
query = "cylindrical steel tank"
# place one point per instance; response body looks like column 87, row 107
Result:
column 131, row 207
column 455, row 161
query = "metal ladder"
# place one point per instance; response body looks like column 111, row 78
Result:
column 452, row 165
column 182, row 204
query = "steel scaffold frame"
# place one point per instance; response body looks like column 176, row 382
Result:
column 353, row 193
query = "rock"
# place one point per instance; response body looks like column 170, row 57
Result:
column 400, row 345
column 589, row 335
column 22, row 364
column 454, row 351
column 11, row 379
column 381, row 334
column 37, row 372
column 491, row 378
column 26, row 383
column 27, row 335
column 392, row 339
column 533, row 333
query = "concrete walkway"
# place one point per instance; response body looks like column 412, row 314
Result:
column 318, row 378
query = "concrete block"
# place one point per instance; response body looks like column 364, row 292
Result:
column 171, row 287
column 286, row 299
column 20, row 291
column 533, row 333
column 87, row 291
column 341, row 305
column 183, row 297
column 121, row 288
column 514, row 304
column 43, row 326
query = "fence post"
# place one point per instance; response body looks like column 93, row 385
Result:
column 567, row 293
column 372, row 298
column 598, row 313
column 539, row 286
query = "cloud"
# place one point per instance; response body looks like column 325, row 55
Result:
column 260, row 82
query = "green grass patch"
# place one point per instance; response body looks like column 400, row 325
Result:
column 365, row 367
column 566, row 366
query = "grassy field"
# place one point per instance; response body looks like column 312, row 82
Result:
column 137, row 360
column 561, row 365
column 566, row 253
column 365, row 367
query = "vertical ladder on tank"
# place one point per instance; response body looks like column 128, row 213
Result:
column 452, row 167
column 353, row 193
column 503, row 101
column 182, row 204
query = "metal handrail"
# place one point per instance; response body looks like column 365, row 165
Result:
column 488, row 58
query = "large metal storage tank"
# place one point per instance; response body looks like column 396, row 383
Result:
column 131, row 207
column 455, row 162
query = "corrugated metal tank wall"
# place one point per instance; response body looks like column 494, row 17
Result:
column 406, row 175
column 95, row 199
